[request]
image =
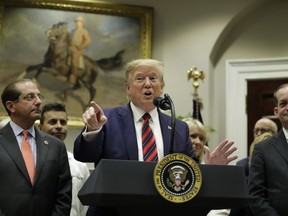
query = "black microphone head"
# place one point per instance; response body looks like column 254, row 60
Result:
column 157, row 101
column 162, row 103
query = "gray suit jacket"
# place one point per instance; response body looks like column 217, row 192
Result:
column 268, row 184
column 51, row 192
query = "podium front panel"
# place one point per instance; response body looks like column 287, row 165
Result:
column 124, row 184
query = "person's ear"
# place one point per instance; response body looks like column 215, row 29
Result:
column 10, row 106
column 127, row 87
column 276, row 111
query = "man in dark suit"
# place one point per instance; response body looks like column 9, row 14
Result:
column 47, row 191
column 115, row 133
column 268, row 186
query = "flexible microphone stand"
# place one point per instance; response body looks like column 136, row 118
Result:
column 173, row 122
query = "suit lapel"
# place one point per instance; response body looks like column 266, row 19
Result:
column 42, row 149
column 10, row 144
column 165, row 124
column 281, row 145
column 128, row 132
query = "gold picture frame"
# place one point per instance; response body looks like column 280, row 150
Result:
column 119, row 33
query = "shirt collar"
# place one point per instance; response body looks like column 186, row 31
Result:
column 285, row 133
column 138, row 113
column 18, row 130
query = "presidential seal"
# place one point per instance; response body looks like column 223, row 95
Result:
column 177, row 178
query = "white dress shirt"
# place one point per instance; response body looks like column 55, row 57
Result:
column 80, row 173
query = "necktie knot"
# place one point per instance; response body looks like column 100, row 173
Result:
column 25, row 134
column 146, row 116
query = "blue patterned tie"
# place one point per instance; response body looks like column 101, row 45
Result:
column 148, row 141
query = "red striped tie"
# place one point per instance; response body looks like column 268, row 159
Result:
column 28, row 156
column 148, row 141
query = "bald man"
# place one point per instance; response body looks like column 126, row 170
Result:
column 261, row 126
column 264, row 125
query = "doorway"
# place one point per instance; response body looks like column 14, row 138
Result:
column 238, row 74
column 260, row 103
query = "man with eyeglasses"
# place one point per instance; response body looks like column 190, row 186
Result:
column 36, row 177
column 264, row 125
column 261, row 126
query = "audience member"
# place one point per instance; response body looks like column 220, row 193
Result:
column 261, row 126
column 244, row 211
column 264, row 125
column 263, row 129
column 53, row 121
column 120, row 137
column 36, row 178
column 258, row 139
column 269, row 166
column 198, row 136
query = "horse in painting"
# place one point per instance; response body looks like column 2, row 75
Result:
column 56, row 61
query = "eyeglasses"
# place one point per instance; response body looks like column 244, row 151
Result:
column 261, row 130
column 32, row 96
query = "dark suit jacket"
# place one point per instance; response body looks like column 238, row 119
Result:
column 117, row 139
column 51, row 192
column 244, row 163
column 268, row 186
column 243, row 211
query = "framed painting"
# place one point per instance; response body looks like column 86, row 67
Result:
column 36, row 38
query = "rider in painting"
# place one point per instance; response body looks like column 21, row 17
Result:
column 79, row 40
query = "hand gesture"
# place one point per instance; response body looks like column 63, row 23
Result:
column 221, row 153
column 94, row 117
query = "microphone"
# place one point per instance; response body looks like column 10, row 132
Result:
column 166, row 103
column 162, row 103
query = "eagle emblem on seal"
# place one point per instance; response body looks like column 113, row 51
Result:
column 177, row 177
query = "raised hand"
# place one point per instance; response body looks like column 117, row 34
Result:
column 93, row 117
column 221, row 154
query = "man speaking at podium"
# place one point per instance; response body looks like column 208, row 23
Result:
column 118, row 133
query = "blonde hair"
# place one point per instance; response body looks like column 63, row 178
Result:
column 257, row 140
column 194, row 123
column 131, row 66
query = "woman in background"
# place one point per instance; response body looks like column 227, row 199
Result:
column 198, row 136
